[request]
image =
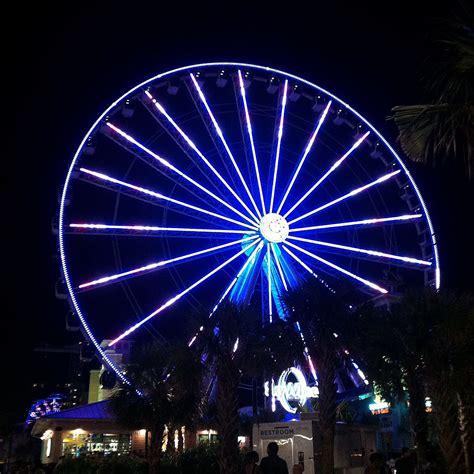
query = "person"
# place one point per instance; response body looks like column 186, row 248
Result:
column 298, row 469
column 250, row 461
column 376, row 464
column 405, row 464
column 273, row 464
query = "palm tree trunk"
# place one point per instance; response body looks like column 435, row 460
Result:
column 156, row 443
column 446, row 416
column 419, row 419
column 228, row 416
column 180, row 439
column 327, row 408
column 170, row 438
column 466, row 426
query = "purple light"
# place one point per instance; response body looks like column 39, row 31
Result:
column 340, row 269
column 305, row 154
column 280, row 271
column 148, row 228
column 168, row 165
column 173, row 300
column 199, row 153
column 164, row 76
column 280, row 135
column 306, row 352
column 250, row 260
column 362, row 222
column 161, row 263
column 252, row 145
column 269, row 275
column 328, row 172
column 350, row 194
column 308, row 269
column 374, row 253
column 162, row 196
column 224, row 142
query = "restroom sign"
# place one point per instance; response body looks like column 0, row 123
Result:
column 291, row 390
column 277, row 432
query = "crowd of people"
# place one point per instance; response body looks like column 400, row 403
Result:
column 274, row 464
column 271, row 464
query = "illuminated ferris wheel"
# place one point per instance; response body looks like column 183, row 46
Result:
column 234, row 182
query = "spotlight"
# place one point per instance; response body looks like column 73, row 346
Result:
column 173, row 86
column 273, row 84
column 222, row 78
column 295, row 93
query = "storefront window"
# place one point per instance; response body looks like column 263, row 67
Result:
column 109, row 443
column 207, row 437
column 77, row 444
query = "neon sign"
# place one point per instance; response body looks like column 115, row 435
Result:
column 288, row 391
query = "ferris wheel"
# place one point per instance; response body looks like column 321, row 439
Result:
column 231, row 182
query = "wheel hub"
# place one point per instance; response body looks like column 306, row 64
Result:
column 274, row 228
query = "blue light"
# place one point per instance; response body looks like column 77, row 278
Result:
column 252, row 145
column 280, row 136
column 154, row 194
column 328, row 172
column 280, row 271
column 224, row 142
column 305, row 154
column 374, row 253
column 340, row 269
column 359, row 223
column 249, row 263
column 168, row 165
column 173, row 300
column 352, row 193
column 269, row 279
column 281, row 262
column 199, row 153
column 148, row 228
column 241, row 287
column 163, row 263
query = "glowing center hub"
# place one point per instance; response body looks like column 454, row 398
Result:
column 274, row 228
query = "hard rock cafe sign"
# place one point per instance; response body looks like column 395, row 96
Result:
column 291, row 390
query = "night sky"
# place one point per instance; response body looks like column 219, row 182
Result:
column 65, row 65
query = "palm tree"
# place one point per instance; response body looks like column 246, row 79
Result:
column 163, row 379
column 186, row 390
column 442, row 129
column 320, row 314
column 389, row 343
column 449, row 374
column 422, row 346
column 235, row 345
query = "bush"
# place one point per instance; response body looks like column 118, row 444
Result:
column 102, row 465
column 199, row 460
column 80, row 465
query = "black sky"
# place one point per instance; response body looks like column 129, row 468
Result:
column 64, row 64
